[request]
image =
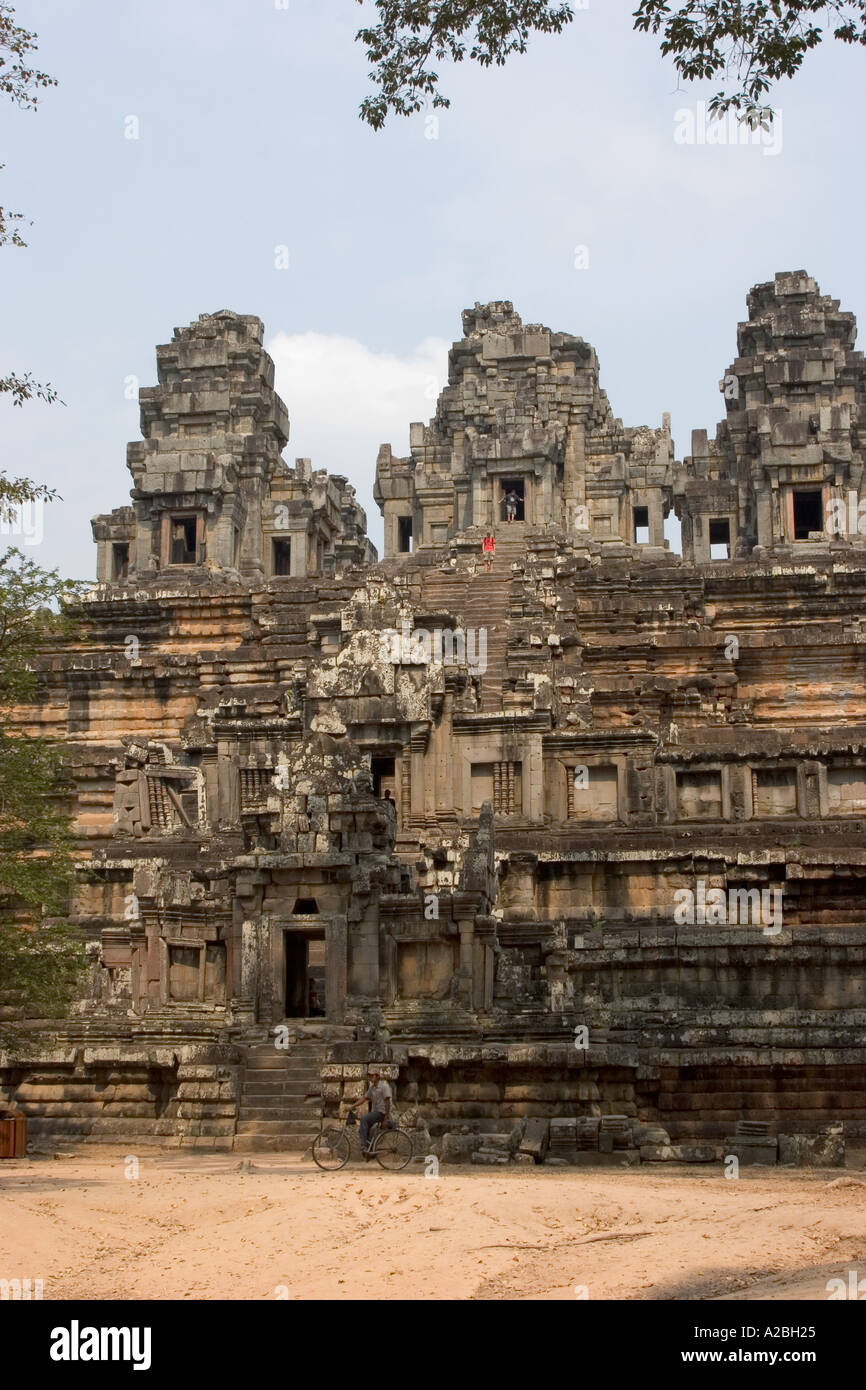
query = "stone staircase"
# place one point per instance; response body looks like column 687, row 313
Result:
column 481, row 601
column 273, row 1114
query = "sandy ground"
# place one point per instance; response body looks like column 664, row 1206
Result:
column 206, row 1226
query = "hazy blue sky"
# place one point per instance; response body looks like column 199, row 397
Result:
column 250, row 140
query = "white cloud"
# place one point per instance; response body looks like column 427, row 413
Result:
column 345, row 399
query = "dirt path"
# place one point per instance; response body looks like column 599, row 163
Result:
column 196, row 1227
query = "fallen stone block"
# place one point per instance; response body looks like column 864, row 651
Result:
column 823, row 1150
column 677, row 1153
column 623, row 1158
column 586, row 1130
column 615, row 1133
column 459, row 1148
column 536, row 1139
column 501, row 1142
column 649, row 1134
column 752, row 1155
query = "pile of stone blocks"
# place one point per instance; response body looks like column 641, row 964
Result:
column 495, row 1149
column 654, row 1144
column 617, row 1140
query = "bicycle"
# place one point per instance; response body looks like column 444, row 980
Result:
column 392, row 1148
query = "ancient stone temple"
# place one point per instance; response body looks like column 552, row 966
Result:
column 569, row 832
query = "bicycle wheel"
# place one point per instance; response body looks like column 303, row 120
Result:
column 393, row 1149
column 331, row 1149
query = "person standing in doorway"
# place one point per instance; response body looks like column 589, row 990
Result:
column 512, row 501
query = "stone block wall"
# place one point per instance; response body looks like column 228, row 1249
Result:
column 112, row 1096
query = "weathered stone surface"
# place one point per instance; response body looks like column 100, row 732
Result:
column 823, row 1150
column 677, row 1153
column 575, row 840
column 535, row 1139
column 459, row 1148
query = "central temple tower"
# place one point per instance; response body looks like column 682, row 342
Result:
column 523, row 414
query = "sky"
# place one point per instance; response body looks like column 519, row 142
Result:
column 562, row 182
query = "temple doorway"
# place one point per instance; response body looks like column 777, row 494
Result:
column 513, row 495
column 304, row 955
column 384, row 777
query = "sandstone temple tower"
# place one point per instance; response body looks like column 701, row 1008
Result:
column 579, row 836
column 523, row 412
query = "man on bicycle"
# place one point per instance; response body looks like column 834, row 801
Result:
column 379, row 1096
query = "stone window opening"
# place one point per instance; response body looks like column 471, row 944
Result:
column 720, row 539
column 282, row 554
column 173, row 803
column 256, row 784
column 182, row 540
column 507, row 788
column 808, row 513
column 593, row 792
column 499, row 783
column 774, row 792
column 641, row 525
column 196, row 972
column 404, row 535
column 119, row 560
column 846, row 790
column 305, row 907
column 699, row 795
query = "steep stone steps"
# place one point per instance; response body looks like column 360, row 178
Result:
column 481, row 600
column 275, row 1112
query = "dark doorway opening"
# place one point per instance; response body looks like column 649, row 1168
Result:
column 513, row 493
column 720, row 539
column 119, row 561
column 183, row 541
column 384, row 779
column 641, row 525
column 282, row 557
column 404, row 534
column 305, row 974
column 808, row 514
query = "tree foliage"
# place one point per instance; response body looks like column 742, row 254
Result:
column 748, row 44
column 41, row 955
column 21, row 83
column 412, row 33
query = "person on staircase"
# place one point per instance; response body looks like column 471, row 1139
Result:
column 488, row 550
